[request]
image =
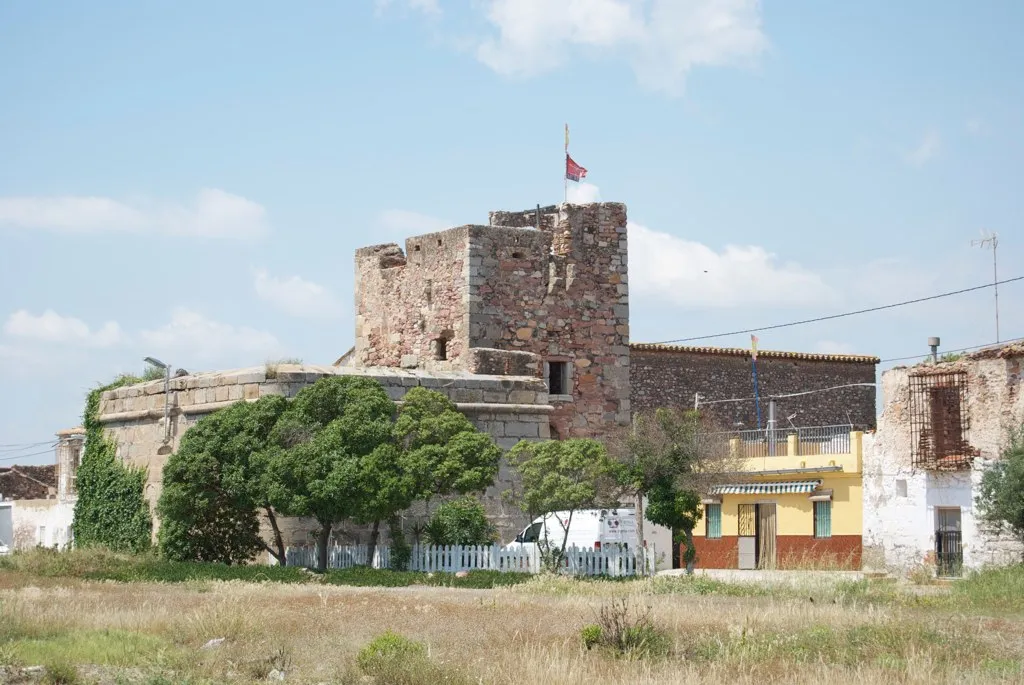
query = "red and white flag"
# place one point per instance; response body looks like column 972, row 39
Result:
column 573, row 171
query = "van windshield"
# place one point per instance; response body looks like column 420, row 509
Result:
column 531, row 533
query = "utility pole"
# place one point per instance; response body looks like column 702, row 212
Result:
column 992, row 240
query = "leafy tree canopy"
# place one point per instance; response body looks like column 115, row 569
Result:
column 1001, row 499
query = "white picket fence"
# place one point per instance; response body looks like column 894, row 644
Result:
column 609, row 561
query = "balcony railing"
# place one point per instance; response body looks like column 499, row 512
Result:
column 781, row 442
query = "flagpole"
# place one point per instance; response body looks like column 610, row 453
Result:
column 565, row 169
column 753, row 371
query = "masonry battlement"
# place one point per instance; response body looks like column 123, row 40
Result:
column 506, row 295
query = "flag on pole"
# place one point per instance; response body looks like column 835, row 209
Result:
column 753, row 347
column 573, row 171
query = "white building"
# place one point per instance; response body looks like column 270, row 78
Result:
column 942, row 425
column 45, row 521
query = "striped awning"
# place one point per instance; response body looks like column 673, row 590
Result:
column 784, row 488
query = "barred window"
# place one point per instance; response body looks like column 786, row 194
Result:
column 823, row 519
column 713, row 520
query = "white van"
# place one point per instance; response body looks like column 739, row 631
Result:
column 597, row 529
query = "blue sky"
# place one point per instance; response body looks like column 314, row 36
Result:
column 189, row 180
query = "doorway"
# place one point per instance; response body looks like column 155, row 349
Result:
column 949, row 551
column 758, row 529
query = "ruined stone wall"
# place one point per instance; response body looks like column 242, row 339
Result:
column 510, row 409
column 901, row 501
column 670, row 377
column 407, row 301
column 563, row 294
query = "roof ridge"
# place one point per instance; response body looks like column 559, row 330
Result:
column 739, row 351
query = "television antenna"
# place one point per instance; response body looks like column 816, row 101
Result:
column 991, row 239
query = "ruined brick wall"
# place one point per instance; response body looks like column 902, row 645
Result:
column 560, row 293
column 406, row 302
column 670, row 377
column 563, row 294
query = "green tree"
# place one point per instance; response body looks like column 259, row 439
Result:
column 671, row 457
column 111, row 509
column 1001, row 497
column 214, row 489
column 462, row 521
column 325, row 452
column 443, row 450
column 563, row 476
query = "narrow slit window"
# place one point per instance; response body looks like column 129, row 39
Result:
column 713, row 521
column 823, row 519
column 441, row 349
column 558, row 378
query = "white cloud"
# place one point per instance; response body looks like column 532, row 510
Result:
column 691, row 274
column 583, row 192
column 430, row 7
column 296, row 296
column 975, row 126
column 833, row 347
column 191, row 338
column 213, row 214
column 405, row 223
column 662, row 39
column 927, row 150
column 51, row 327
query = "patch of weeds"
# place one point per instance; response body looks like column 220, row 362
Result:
column 271, row 366
column 394, row 659
column 100, row 647
column 702, row 585
column 365, row 576
column 260, row 669
column 997, row 589
column 626, row 632
column 60, row 673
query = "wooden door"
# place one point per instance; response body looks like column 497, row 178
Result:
column 766, row 531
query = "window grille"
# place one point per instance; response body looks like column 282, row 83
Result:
column 939, row 422
column 823, row 519
column 713, row 520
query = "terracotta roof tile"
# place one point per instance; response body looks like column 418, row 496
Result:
column 768, row 354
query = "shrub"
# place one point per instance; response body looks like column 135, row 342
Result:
column 111, row 510
column 627, row 632
column 462, row 521
column 590, row 635
column 60, row 673
column 396, row 660
column 401, row 551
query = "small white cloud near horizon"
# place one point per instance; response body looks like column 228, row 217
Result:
column 51, row 327
column 583, row 193
column 296, row 296
column 927, row 150
column 405, row 224
column 975, row 126
column 662, row 39
column 190, row 338
column 214, row 214
column 834, row 347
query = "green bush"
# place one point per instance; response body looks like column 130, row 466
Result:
column 627, row 632
column 111, row 510
column 60, row 673
column 396, row 660
column 462, row 521
column 365, row 576
column 590, row 635
column 401, row 550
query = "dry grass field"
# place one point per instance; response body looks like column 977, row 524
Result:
column 312, row 632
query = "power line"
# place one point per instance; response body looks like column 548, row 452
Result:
column 11, row 445
column 839, row 316
column 834, row 387
column 962, row 349
column 36, row 454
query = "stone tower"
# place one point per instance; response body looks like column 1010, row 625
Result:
column 542, row 292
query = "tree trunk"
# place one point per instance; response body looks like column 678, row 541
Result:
column 640, row 532
column 322, row 539
column 279, row 552
column 690, row 556
column 374, row 536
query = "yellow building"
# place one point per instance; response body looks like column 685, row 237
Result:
column 794, row 503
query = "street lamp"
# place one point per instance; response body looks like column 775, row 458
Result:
column 167, row 393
